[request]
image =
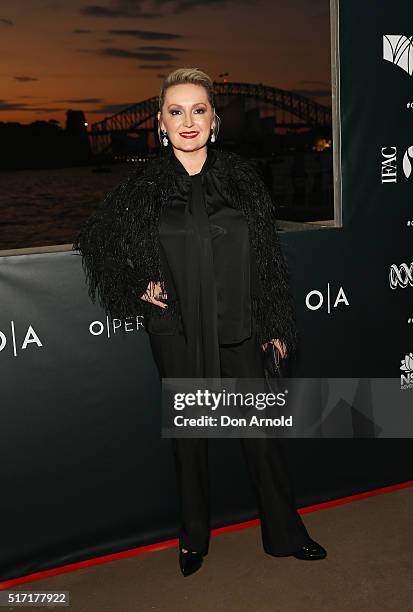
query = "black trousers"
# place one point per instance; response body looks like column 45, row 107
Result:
column 282, row 530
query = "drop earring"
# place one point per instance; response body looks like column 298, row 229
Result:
column 165, row 141
column 212, row 135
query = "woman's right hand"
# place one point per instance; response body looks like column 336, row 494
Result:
column 154, row 289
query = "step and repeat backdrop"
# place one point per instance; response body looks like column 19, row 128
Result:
column 84, row 468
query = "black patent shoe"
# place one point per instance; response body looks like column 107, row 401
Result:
column 311, row 551
column 190, row 562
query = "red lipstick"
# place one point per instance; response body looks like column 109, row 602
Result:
column 188, row 134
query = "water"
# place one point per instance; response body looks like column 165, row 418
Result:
column 47, row 207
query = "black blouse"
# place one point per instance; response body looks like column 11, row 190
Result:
column 205, row 253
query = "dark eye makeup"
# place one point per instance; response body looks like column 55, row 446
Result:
column 176, row 110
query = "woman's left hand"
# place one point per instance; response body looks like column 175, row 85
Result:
column 280, row 346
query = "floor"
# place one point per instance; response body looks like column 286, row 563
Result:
column 369, row 568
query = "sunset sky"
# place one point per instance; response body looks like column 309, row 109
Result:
column 101, row 58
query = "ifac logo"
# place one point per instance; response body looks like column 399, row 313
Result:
column 389, row 164
column 398, row 50
column 406, row 379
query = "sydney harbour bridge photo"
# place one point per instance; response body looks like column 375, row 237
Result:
column 288, row 135
column 58, row 174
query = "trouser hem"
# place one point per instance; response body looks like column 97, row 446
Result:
column 286, row 553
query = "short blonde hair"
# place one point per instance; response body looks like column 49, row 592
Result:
column 196, row 77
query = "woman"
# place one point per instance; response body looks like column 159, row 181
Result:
column 190, row 238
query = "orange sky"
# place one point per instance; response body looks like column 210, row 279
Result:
column 100, row 58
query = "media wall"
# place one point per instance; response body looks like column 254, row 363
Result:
column 84, row 470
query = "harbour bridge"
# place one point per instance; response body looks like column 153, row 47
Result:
column 140, row 119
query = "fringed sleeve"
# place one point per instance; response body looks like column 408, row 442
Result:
column 275, row 307
column 279, row 303
column 113, row 278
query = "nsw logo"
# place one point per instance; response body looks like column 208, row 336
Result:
column 406, row 379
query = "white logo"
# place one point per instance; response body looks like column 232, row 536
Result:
column 111, row 326
column 388, row 165
column 401, row 276
column 398, row 49
column 314, row 299
column 407, row 363
column 29, row 337
column 406, row 380
column 407, row 166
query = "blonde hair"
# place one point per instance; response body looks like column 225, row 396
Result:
column 196, row 77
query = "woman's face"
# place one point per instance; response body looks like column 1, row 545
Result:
column 187, row 116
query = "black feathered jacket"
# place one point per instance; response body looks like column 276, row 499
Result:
column 120, row 247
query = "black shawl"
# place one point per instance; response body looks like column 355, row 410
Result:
column 120, row 249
